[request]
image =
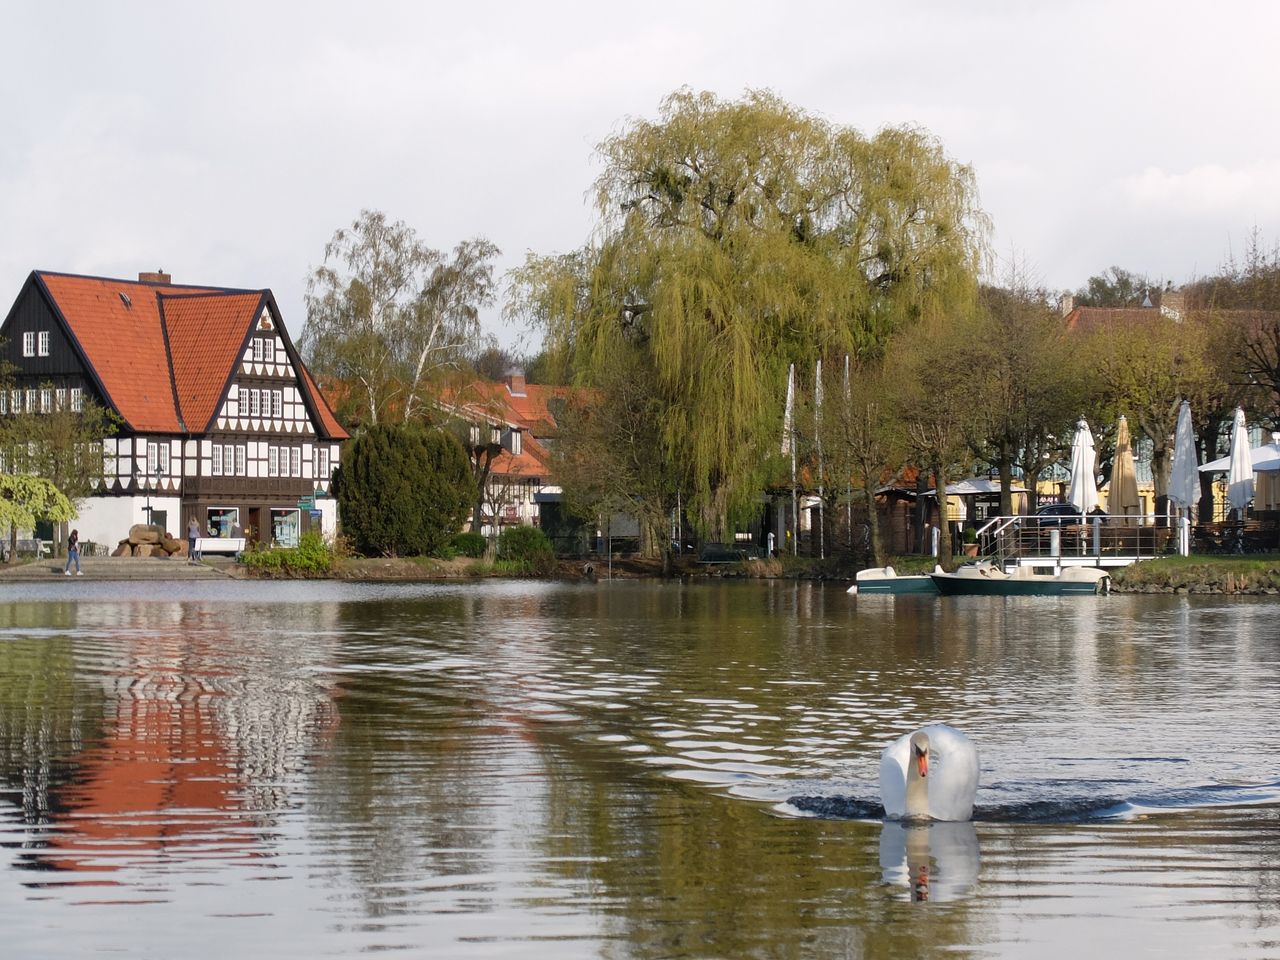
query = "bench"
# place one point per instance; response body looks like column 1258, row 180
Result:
column 231, row 545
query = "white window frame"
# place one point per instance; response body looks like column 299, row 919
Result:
column 42, row 343
column 295, row 461
column 277, row 404
column 229, row 460
column 241, row 453
column 257, row 350
column 255, row 403
column 77, row 400
column 46, row 399
column 273, row 461
column 242, row 398
column 322, row 463
column 15, row 400
column 29, row 343
column 215, row 463
column 60, row 399
column 31, row 400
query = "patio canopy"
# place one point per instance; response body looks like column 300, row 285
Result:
column 975, row 487
column 1265, row 457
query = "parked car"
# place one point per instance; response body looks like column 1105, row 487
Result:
column 1058, row 515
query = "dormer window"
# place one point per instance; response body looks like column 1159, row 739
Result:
column 516, row 443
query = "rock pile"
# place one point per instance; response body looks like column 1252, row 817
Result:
column 149, row 540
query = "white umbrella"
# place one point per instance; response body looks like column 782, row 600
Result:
column 1265, row 457
column 1240, row 473
column 1083, row 489
column 1184, row 479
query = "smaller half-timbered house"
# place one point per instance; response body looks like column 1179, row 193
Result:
column 218, row 417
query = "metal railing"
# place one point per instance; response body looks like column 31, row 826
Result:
column 1101, row 540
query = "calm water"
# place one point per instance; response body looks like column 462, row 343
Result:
column 516, row 770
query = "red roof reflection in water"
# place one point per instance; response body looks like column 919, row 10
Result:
column 187, row 753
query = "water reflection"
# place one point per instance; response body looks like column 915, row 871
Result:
column 933, row 861
column 154, row 738
column 525, row 770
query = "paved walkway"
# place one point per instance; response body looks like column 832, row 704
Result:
column 121, row 568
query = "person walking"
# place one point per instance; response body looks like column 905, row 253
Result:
column 73, row 554
column 193, row 535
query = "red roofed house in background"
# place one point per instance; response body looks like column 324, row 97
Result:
column 513, row 422
column 220, row 420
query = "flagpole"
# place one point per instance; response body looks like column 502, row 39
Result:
column 817, row 425
column 789, row 446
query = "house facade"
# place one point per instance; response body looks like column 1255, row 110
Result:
column 218, row 418
column 510, row 425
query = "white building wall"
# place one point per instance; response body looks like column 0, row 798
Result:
column 328, row 508
column 107, row 520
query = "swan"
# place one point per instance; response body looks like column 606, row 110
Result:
column 929, row 774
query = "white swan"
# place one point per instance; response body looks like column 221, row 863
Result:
column 929, row 774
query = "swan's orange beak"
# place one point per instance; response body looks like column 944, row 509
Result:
column 922, row 763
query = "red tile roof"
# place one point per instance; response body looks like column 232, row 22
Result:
column 163, row 353
column 1084, row 319
column 329, row 423
column 201, row 329
column 531, row 410
column 124, row 343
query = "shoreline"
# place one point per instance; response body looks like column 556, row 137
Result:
column 1199, row 576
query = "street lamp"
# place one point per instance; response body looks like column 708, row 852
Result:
column 160, row 473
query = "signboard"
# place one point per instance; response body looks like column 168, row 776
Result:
column 315, row 516
column 306, row 503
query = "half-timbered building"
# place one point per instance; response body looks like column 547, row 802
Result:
column 218, row 418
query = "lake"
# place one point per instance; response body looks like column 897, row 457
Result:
column 625, row 769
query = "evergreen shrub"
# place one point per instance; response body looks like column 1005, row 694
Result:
column 469, row 544
column 403, row 490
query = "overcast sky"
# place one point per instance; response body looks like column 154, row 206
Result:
column 226, row 142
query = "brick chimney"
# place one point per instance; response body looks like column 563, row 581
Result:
column 1067, row 303
column 515, row 383
column 158, row 277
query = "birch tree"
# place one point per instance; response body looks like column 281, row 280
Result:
column 386, row 314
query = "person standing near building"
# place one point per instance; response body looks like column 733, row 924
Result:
column 193, row 537
column 73, row 554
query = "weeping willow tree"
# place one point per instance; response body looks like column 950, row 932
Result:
column 735, row 238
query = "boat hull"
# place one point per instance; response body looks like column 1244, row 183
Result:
column 917, row 584
column 1040, row 586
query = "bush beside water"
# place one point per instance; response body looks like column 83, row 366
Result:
column 524, row 551
column 468, row 545
column 312, row 557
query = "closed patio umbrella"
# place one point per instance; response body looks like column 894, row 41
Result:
column 1240, row 472
column 1184, row 476
column 1083, row 488
column 1122, row 496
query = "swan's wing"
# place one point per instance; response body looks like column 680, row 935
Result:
column 893, row 778
column 953, row 773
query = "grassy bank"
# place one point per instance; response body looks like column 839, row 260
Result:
column 1198, row 574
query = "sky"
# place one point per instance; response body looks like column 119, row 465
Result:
column 225, row 143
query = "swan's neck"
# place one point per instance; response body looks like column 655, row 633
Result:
column 917, row 802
